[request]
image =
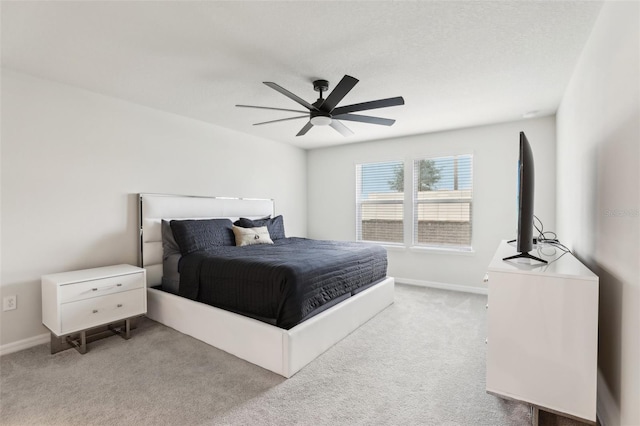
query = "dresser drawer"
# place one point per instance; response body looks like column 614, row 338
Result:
column 92, row 288
column 96, row 311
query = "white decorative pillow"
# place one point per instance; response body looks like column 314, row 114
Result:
column 249, row 236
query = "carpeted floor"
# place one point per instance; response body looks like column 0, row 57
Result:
column 419, row 362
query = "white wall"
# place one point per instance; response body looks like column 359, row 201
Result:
column 331, row 201
column 598, row 204
column 73, row 162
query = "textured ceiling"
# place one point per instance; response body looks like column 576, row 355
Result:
column 456, row 64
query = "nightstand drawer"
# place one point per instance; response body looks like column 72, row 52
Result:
column 87, row 289
column 96, row 311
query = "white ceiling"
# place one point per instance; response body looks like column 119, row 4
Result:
column 456, row 64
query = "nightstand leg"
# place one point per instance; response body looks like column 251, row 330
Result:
column 80, row 347
column 56, row 344
column 124, row 331
column 83, row 342
column 535, row 415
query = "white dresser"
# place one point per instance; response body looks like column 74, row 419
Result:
column 542, row 340
column 74, row 302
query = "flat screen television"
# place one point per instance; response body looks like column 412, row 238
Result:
column 525, row 196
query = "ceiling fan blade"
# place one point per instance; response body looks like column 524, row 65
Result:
column 282, row 119
column 341, row 128
column 380, row 103
column 365, row 119
column 290, row 95
column 340, row 91
column 305, row 129
column 277, row 109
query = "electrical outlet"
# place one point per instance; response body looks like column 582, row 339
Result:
column 9, row 303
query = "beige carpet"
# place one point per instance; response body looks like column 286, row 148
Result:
column 419, row 362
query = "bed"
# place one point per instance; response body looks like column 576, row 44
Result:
column 282, row 341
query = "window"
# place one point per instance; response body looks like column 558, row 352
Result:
column 380, row 202
column 442, row 201
column 440, row 190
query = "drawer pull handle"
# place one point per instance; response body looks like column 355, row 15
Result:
column 119, row 305
column 107, row 287
column 95, row 311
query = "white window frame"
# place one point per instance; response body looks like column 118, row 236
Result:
column 415, row 203
column 410, row 206
column 360, row 202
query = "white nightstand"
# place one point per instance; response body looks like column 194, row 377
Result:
column 77, row 301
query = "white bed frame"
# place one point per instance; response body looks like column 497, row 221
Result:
column 284, row 352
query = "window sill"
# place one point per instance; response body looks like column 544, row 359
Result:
column 395, row 247
column 431, row 250
column 442, row 250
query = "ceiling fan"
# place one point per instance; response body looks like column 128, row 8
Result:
column 324, row 112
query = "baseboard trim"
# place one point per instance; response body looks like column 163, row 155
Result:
column 442, row 286
column 24, row 344
column 606, row 408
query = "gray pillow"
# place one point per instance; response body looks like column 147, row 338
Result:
column 169, row 244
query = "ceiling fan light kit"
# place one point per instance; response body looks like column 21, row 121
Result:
column 321, row 120
column 325, row 112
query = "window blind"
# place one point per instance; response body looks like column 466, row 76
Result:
column 442, row 201
column 380, row 202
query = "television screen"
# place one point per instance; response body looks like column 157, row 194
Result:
column 526, row 188
column 525, row 196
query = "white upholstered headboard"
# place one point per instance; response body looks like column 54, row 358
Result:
column 155, row 207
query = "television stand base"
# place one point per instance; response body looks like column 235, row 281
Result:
column 524, row 255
